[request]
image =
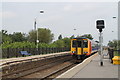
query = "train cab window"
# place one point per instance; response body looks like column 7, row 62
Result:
column 85, row 43
column 74, row 43
column 79, row 43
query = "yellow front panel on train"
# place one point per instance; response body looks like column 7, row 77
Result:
column 85, row 50
column 73, row 49
column 79, row 51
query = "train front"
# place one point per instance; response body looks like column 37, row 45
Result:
column 80, row 48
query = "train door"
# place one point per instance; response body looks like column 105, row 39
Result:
column 85, row 47
column 74, row 46
column 79, row 47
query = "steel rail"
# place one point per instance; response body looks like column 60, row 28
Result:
column 35, row 69
column 7, row 63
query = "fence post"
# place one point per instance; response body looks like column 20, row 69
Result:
column 48, row 50
column 7, row 52
column 23, row 49
column 38, row 51
column 41, row 50
column 16, row 54
column 45, row 50
column 52, row 50
column 56, row 50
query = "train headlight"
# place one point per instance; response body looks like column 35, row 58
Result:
column 73, row 51
column 85, row 52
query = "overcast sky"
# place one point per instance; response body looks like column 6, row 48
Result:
column 61, row 17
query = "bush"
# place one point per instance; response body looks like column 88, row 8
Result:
column 59, row 43
column 18, row 45
column 26, row 44
column 29, row 45
column 115, row 44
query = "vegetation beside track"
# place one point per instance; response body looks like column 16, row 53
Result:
column 11, row 44
column 115, row 45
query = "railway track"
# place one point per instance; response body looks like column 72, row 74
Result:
column 50, row 72
column 48, row 69
column 59, row 71
column 38, row 66
column 55, row 73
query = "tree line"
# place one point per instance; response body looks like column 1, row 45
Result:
column 45, row 37
column 114, row 44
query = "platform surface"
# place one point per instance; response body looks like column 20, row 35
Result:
column 94, row 70
column 2, row 61
column 90, row 69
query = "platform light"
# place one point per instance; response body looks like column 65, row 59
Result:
column 41, row 11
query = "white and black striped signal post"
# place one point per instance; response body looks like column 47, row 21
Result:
column 100, row 26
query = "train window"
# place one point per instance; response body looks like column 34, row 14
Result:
column 74, row 43
column 79, row 43
column 85, row 43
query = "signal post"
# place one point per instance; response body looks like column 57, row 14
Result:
column 100, row 26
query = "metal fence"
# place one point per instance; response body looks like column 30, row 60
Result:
column 15, row 52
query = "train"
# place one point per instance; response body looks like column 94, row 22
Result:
column 82, row 47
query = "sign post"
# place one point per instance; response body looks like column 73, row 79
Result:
column 101, row 49
column 100, row 26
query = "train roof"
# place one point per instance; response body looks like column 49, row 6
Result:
column 80, row 38
column 94, row 42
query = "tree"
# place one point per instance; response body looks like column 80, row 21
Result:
column 66, row 42
column 72, row 37
column 89, row 36
column 115, row 44
column 59, row 37
column 18, row 37
column 5, row 36
column 32, row 37
column 59, row 43
column 44, row 35
column 4, row 32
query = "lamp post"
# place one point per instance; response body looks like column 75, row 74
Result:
column 36, row 28
column 114, row 17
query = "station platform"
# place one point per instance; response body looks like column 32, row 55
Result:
column 91, row 69
column 17, row 59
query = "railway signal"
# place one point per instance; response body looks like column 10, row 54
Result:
column 100, row 26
